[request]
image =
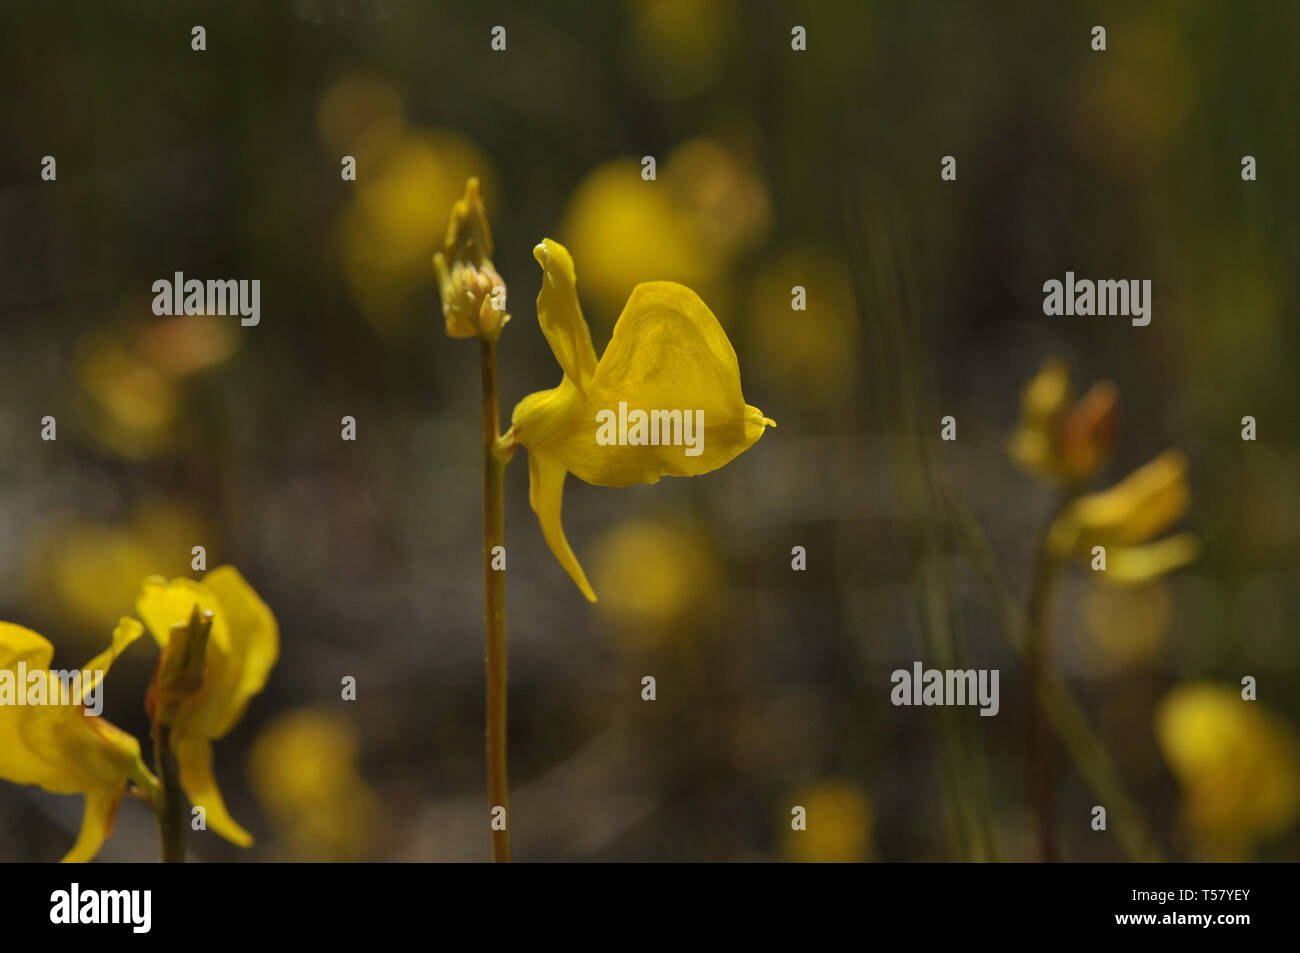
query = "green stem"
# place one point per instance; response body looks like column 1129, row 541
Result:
column 1067, row 716
column 171, row 810
column 494, row 601
column 1036, row 661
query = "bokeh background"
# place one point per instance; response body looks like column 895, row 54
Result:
column 775, row 168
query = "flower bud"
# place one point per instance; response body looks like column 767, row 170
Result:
column 473, row 294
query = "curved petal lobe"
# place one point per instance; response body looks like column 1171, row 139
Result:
column 545, row 493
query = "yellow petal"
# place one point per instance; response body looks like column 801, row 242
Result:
column 127, row 631
column 164, row 604
column 545, row 493
column 1046, row 396
column 540, row 416
column 1035, row 444
column 1139, row 507
column 1089, row 431
column 96, row 823
column 1137, row 564
column 195, row 758
column 560, row 315
column 19, row 761
column 254, row 641
column 18, row 644
column 57, row 746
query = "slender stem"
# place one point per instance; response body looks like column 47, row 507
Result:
column 171, row 812
column 1067, row 716
column 1042, row 585
column 494, row 600
column 1040, row 739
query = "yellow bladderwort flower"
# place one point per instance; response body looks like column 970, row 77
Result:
column 1238, row 763
column 668, row 367
column 473, row 294
column 219, row 642
column 1060, row 443
column 304, row 770
column 60, row 747
column 1124, row 518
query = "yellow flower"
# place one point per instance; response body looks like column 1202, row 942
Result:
column 127, row 405
column 658, row 573
column 819, row 366
column 668, row 355
column 473, row 294
column 839, row 819
column 1121, row 519
column 708, row 208
column 303, row 769
column 679, row 47
column 87, row 573
column 61, row 747
column 242, row 647
column 1238, row 764
column 394, row 223
column 1059, row 443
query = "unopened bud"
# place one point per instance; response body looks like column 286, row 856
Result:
column 473, row 294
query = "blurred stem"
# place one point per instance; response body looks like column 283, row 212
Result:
column 1037, row 649
column 1085, row 747
column 886, row 298
column 494, row 597
column 171, row 812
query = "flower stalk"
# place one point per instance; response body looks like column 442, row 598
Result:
column 495, row 458
column 1042, row 586
column 680, row 350
column 171, row 810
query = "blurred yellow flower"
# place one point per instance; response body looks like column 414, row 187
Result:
column 1129, row 110
column 1239, row 766
column 705, row 209
column 180, row 346
column 1059, row 442
column 722, row 195
column 1126, row 625
column 668, row 355
column 678, row 47
column 1067, row 443
column 813, row 356
column 360, row 115
column 87, row 574
column 656, row 574
column 839, row 825
column 242, row 647
column 1121, row 519
column 128, row 406
column 392, row 227
column 623, row 229
column 303, row 769
column 129, row 381
column 60, row 747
